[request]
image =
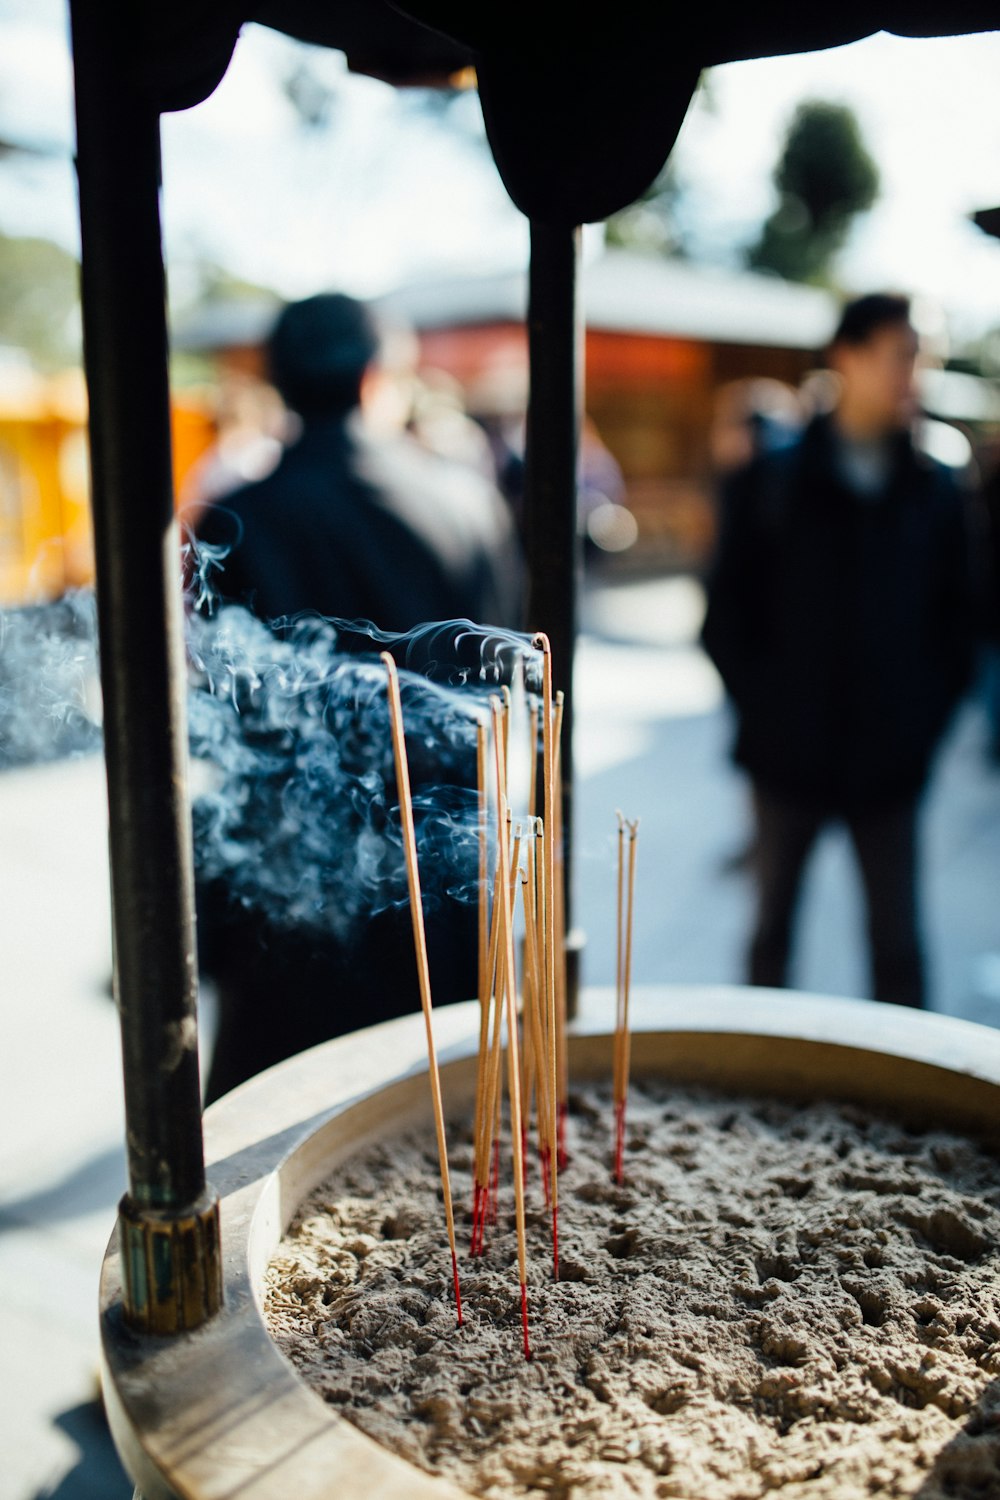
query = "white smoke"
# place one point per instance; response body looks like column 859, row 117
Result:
column 296, row 817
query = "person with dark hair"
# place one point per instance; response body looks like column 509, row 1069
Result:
column 358, row 521
column 841, row 619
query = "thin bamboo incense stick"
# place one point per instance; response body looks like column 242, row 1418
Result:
column 513, row 1060
column 487, row 1132
column 541, row 642
column 508, row 706
column 534, row 996
column 619, row 956
column 483, row 904
column 483, row 936
column 559, row 924
column 493, row 1200
column 485, row 1111
column 481, row 1145
column 420, row 944
column 527, row 1031
column 619, row 994
column 621, row 1102
column 532, row 760
column 491, row 1105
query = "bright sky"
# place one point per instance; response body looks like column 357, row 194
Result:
column 382, row 194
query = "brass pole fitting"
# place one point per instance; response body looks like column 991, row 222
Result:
column 171, row 1265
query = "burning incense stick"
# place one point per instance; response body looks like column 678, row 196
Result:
column 619, row 981
column 527, row 1032
column 486, row 1132
column 420, row 943
column 481, row 772
column 541, row 642
column 509, row 986
column 508, row 713
column 623, row 1039
column 532, row 760
column 534, row 1008
column 559, row 919
column 485, row 1074
column 485, row 959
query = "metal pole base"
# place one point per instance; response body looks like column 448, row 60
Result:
column 171, row 1265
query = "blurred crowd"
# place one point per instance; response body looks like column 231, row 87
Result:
column 853, row 602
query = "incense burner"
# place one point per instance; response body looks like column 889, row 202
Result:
column 220, row 1412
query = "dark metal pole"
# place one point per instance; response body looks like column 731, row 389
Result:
column 555, row 404
column 168, row 1221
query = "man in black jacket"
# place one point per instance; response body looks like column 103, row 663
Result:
column 358, row 521
column 840, row 617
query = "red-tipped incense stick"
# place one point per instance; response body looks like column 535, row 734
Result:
column 420, row 944
column 623, row 1037
column 541, row 642
column 510, row 993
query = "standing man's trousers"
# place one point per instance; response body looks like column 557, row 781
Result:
column 885, row 844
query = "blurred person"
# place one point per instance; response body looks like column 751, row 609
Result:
column 990, row 648
column 749, row 417
column 251, row 428
column 604, row 520
column 840, row 617
column 358, row 520
column 440, row 423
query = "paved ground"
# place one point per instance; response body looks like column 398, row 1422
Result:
column 652, row 740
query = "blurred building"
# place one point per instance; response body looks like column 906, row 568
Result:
column 663, row 336
column 667, row 341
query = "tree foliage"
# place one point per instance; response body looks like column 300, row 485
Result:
column 652, row 223
column 658, row 222
column 825, row 177
column 39, row 300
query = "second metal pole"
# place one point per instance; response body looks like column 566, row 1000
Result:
column 552, row 538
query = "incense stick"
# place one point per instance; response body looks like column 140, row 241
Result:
column 420, row 944
column 485, row 1071
column 508, row 709
column 485, row 965
column 623, row 1039
column 513, row 1061
column 487, row 1134
column 541, row 642
column 534, row 997
column 483, row 904
column 532, row 760
column 559, row 922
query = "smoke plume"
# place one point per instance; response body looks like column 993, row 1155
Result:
column 49, row 699
column 295, row 814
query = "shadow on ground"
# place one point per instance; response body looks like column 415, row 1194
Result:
column 97, row 1474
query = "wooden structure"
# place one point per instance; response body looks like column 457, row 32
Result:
column 564, row 163
column 661, row 338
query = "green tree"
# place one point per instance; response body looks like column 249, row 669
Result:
column 653, row 222
column 657, row 222
column 825, row 177
column 39, row 300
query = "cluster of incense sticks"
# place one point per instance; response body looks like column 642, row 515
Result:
column 521, row 1017
column 623, row 985
column 523, row 867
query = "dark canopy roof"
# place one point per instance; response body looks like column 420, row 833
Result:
column 582, row 107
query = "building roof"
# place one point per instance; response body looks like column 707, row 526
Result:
column 624, row 292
